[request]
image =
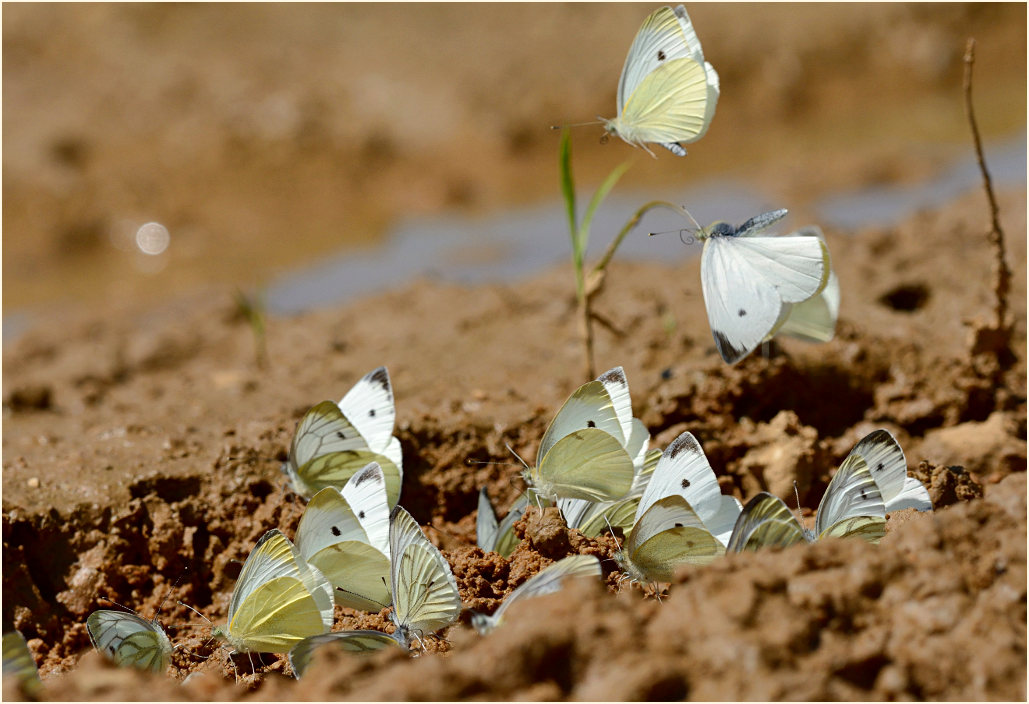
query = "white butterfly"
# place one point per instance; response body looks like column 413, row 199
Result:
column 334, row 441
column 346, row 536
column 748, row 279
column 546, row 581
column 814, row 320
column 585, row 453
column 889, row 468
column 348, row 641
column 19, row 664
column 682, row 518
column 851, row 506
column 425, row 595
column 591, row 517
column 494, row 536
column 129, row 639
column 667, row 92
column 278, row 600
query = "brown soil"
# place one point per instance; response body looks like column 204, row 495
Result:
column 141, row 441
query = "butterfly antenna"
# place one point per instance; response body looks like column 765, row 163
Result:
column 506, row 464
column 168, row 595
column 796, row 495
column 511, row 450
column 196, row 612
column 598, row 121
column 107, row 598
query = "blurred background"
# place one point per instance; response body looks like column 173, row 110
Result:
column 272, row 146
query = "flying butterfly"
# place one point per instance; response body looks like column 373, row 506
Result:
column 667, row 92
column 749, row 279
column 333, row 441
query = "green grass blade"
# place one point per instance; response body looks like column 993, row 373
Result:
column 597, row 199
column 568, row 187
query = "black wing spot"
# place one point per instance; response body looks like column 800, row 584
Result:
column 879, row 467
column 741, row 312
column 381, row 377
column 661, row 55
column 341, row 435
column 678, row 525
column 590, row 424
column 371, row 413
column 360, row 514
column 863, row 494
column 111, row 649
column 685, row 483
column 681, row 444
column 336, row 531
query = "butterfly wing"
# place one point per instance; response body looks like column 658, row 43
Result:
column 369, row 407
column 365, row 493
column 19, row 664
column 589, row 406
column 331, row 537
column 889, row 468
column 746, row 281
column 425, row 595
column 852, row 493
column 550, row 580
column 617, row 387
column 337, row 468
column 279, row 599
column 129, row 640
column 322, row 430
column 683, row 470
column 348, row 641
column 668, row 534
column 591, row 518
column 486, row 526
column 585, row 464
column 765, row 522
column 668, row 106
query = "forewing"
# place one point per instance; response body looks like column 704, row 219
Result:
column 129, row 640
column 590, row 406
column 507, row 541
column 683, row 470
column 765, row 522
column 662, row 37
column 369, row 406
column 889, row 468
column 586, row 464
column 366, row 495
column 796, row 267
column 851, row 493
column 551, row 579
column 742, row 308
column 617, row 387
column 273, row 556
column 348, row 641
column 425, row 595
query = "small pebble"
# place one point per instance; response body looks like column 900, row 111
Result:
column 34, row 483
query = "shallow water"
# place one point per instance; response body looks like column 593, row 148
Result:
column 508, row 245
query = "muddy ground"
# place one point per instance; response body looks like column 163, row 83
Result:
column 142, row 439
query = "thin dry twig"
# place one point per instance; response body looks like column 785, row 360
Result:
column 1002, row 274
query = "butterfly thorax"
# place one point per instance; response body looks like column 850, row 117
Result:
column 717, row 229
